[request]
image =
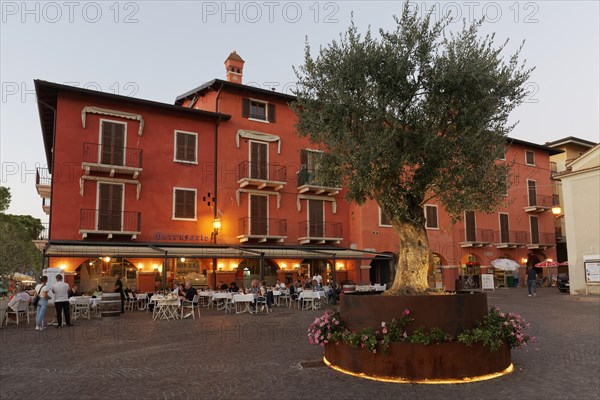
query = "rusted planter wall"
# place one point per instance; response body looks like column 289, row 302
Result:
column 452, row 313
column 417, row 362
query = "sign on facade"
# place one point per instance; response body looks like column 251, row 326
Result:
column 592, row 271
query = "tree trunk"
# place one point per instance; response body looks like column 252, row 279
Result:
column 414, row 259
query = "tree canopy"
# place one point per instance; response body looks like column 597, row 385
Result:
column 412, row 114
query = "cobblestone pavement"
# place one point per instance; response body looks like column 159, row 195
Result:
column 267, row 356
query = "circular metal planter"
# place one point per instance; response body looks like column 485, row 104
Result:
column 448, row 362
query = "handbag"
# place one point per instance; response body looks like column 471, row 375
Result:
column 36, row 299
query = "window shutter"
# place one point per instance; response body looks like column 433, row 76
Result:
column 504, row 236
column 245, row 108
column 179, row 203
column 431, row 216
column 535, row 233
column 189, row 204
column 470, row 225
column 180, row 150
column 190, row 154
column 271, row 112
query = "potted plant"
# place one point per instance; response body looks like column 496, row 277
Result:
column 409, row 116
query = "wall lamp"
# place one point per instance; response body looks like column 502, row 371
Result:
column 216, row 228
column 557, row 212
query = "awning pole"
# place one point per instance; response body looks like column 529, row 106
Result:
column 262, row 267
column 332, row 284
column 165, row 268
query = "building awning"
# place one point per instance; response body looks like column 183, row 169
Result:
column 160, row 250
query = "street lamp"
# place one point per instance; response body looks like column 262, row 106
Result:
column 557, row 211
column 216, row 228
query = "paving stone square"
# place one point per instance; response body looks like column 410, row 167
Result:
column 229, row 356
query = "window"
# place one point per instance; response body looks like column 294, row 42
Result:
column 383, row 218
column 110, row 206
column 532, row 193
column 470, row 233
column 186, row 149
column 258, row 110
column 112, row 143
column 184, row 204
column 258, row 160
column 309, row 165
column 431, row 217
column 502, row 155
column 504, row 231
column 529, row 157
column 535, row 233
column 259, row 206
column 316, row 218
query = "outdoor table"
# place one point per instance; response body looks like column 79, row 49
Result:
column 309, row 294
column 225, row 296
column 142, row 301
column 206, row 297
column 242, row 302
column 165, row 308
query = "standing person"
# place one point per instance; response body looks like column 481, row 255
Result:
column 531, row 278
column 41, row 291
column 119, row 289
column 61, row 301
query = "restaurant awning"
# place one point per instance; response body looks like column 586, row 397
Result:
column 161, row 250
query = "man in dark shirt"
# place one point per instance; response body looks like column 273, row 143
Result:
column 190, row 292
column 119, row 289
column 531, row 281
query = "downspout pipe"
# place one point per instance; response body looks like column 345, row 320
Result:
column 215, row 181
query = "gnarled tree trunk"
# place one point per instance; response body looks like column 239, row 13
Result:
column 414, row 258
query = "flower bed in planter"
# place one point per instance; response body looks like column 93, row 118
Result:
column 413, row 348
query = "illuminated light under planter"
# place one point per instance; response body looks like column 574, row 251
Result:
column 422, row 381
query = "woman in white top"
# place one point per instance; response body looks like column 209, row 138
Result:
column 41, row 290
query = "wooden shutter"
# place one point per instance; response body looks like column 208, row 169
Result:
column 504, row 232
column 385, row 220
column 271, row 112
column 315, row 218
column 258, row 160
column 531, row 191
column 113, row 143
column 245, row 108
column 470, row 226
column 529, row 157
column 535, row 233
column 110, row 207
column 185, row 147
column 258, row 215
column 185, row 202
column 431, row 217
column 191, row 148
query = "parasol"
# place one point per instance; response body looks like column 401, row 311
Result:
column 563, row 264
column 547, row 263
column 505, row 264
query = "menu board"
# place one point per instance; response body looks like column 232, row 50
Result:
column 592, row 271
column 487, row 281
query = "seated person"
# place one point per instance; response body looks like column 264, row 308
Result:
column 233, row 288
column 190, row 293
column 73, row 291
column 280, row 285
column 254, row 288
column 223, row 286
column 308, row 285
column 175, row 289
column 97, row 292
column 20, row 295
column 293, row 291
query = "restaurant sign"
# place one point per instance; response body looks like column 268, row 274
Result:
column 181, row 237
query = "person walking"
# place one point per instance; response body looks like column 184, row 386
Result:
column 41, row 291
column 61, row 301
column 119, row 289
column 531, row 280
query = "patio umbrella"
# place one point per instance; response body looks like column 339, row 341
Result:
column 547, row 264
column 505, row 264
column 563, row 264
column 17, row 276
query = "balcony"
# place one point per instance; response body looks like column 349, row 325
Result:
column 538, row 203
column 262, row 230
column 476, row 237
column 46, row 205
column 41, row 237
column 319, row 232
column 541, row 240
column 308, row 184
column 109, row 223
column 261, row 176
column 111, row 159
column 510, row 239
column 43, row 182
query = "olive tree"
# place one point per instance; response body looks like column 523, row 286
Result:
column 410, row 115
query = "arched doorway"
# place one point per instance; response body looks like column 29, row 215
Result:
column 100, row 271
column 383, row 270
column 249, row 269
column 312, row 267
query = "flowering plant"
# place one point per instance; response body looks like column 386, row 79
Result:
column 495, row 329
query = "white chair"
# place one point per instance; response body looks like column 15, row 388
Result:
column 192, row 306
column 81, row 308
column 284, row 297
column 142, row 301
column 130, row 301
column 261, row 304
column 19, row 310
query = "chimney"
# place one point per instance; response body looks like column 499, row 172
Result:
column 234, row 65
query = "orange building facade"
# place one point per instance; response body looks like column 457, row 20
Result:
column 218, row 187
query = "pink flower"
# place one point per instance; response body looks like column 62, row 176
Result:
column 384, row 330
column 406, row 311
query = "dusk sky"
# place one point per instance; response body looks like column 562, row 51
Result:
column 158, row 50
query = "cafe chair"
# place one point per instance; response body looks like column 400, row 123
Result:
column 191, row 306
column 19, row 310
column 81, row 308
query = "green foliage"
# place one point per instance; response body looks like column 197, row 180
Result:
column 17, row 251
column 425, row 336
column 4, row 198
column 412, row 114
